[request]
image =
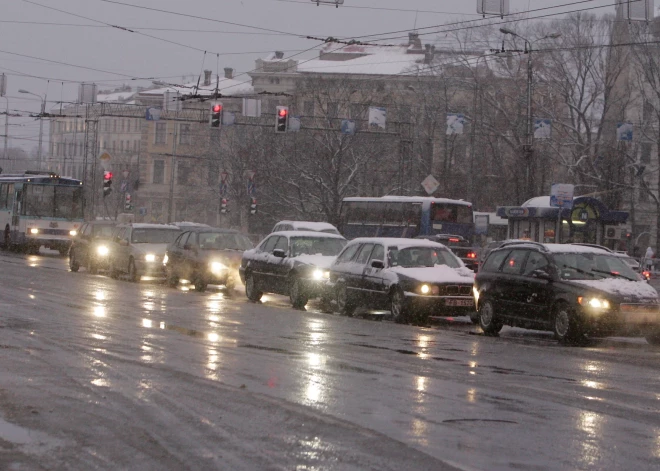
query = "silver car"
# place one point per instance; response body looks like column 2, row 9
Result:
column 138, row 249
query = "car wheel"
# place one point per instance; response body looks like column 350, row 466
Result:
column 565, row 324
column 653, row 339
column 73, row 263
column 132, row 271
column 344, row 304
column 200, row 284
column 172, row 279
column 488, row 320
column 297, row 294
column 251, row 289
column 7, row 238
column 398, row 306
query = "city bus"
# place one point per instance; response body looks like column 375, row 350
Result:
column 405, row 216
column 39, row 208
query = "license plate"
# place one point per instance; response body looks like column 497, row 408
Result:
column 640, row 314
column 459, row 302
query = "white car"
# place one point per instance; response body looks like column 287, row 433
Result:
column 305, row 226
column 138, row 249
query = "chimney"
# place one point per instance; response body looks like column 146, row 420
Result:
column 279, row 55
column 207, row 77
column 414, row 42
column 229, row 73
column 429, row 53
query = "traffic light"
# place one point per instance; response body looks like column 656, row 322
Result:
column 282, row 119
column 223, row 206
column 253, row 205
column 107, row 183
column 128, row 205
column 215, row 119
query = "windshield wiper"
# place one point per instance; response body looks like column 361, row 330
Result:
column 613, row 273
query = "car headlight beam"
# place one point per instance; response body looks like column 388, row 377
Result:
column 34, row 230
column 150, row 257
column 218, row 267
column 102, row 250
column 596, row 303
column 319, row 274
column 73, row 233
column 165, row 259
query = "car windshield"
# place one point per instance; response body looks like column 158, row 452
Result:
column 153, row 236
column 316, row 246
column 103, row 231
column 422, row 257
column 592, row 266
column 223, row 241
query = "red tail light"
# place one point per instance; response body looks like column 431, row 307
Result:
column 471, row 255
column 454, row 239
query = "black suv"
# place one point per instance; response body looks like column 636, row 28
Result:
column 573, row 290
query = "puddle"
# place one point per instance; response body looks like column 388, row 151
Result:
column 13, row 433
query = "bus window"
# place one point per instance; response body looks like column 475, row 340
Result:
column 451, row 213
column 3, row 196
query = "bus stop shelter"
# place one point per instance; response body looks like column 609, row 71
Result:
column 585, row 222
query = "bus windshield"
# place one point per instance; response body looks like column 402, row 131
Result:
column 52, row 201
column 443, row 212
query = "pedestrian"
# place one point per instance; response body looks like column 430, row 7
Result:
column 648, row 258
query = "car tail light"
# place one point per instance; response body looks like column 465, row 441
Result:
column 454, row 239
column 471, row 255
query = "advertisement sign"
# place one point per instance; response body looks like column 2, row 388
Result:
column 561, row 195
column 377, row 117
column 455, row 123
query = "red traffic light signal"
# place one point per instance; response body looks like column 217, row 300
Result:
column 107, row 175
column 282, row 119
column 217, row 108
column 215, row 120
column 283, row 111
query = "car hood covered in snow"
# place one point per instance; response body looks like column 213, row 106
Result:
column 625, row 290
column 320, row 261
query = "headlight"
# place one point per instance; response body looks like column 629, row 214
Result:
column 150, row 257
column 596, row 303
column 102, row 250
column 218, row 267
column 425, row 289
column 34, row 230
column 165, row 259
column 319, row 274
column 73, row 233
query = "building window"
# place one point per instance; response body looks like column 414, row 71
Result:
column 182, row 173
column 159, row 171
column 135, row 146
column 308, row 108
column 333, row 109
column 121, row 146
column 184, row 134
column 645, row 155
column 114, row 125
column 161, row 133
column 157, row 211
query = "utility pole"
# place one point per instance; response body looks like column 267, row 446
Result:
column 3, row 93
column 170, row 205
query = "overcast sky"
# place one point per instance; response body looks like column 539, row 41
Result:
column 119, row 55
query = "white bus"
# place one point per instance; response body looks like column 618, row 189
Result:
column 39, row 208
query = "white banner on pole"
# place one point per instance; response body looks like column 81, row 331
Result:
column 542, row 129
column 493, row 7
column 251, row 107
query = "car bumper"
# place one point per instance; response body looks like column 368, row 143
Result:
column 150, row 268
column 441, row 305
column 315, row 288
column 636, row 320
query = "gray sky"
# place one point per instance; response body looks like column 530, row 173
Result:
column 119, row 55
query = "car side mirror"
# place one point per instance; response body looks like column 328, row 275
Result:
column 377, row 264
column 542, row 274
column 279, row 253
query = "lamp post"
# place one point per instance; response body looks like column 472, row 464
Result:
column 528, row 148
column 41, row 122
column 5, row 156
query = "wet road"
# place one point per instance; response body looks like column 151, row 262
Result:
column 97, row 373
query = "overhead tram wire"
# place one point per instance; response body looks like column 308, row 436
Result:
column 396, row 10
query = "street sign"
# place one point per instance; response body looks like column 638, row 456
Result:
column 561, row 195
column 430, row 184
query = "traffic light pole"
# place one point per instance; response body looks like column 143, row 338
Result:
column 170, row 204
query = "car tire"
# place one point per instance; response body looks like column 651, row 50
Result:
column 488, row 320
column 6, row 240
column 398, row 306
column 132, row 272
column 344, row 304
column 297, row 294
column 251, row 291
column 172, row 279
column 565, row 324
column 200, row 284
column 653, row 339
column 74, row 265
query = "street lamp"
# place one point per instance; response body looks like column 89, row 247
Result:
column 528, row 149
column 41, row 121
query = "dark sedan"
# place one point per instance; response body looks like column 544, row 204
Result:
column 206, row 255
column 414, row 278
column 292, row 263
column 90, row 248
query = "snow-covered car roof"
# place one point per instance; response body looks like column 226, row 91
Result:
column 400, row 242
column 145, row 225
column 186, row 224
column 326, row 235
column 570, row 248
column 308, row 225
